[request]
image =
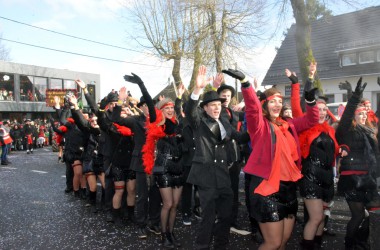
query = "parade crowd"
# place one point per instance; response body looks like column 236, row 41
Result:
column 154, row 157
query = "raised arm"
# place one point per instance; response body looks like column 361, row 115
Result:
column 349, row 112
column 148, row 99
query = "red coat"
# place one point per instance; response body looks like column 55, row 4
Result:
column 261, row 158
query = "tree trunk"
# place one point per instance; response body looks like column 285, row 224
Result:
column 196, row 64
column 176, row 71
column 303, row 44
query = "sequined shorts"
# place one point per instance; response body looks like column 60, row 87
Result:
column 274, row 207
column 122, row 174
column 312, row 190
column 168, row 180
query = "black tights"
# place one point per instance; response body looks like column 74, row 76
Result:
column 357, row 216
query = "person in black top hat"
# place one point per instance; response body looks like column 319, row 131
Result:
column 209, row 170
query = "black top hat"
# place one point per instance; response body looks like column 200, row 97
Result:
column 112, row 97
column 142, row 102
column 224, row 87
column 211, row 96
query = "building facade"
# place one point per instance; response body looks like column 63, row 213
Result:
column 345, row 46
column 23, row 89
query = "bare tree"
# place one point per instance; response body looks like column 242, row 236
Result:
column 4, row 51
column 164, row 29
column 234, row 26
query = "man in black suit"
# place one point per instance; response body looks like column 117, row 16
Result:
column 209, row 169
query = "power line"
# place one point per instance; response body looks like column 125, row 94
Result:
column 79, row 54
column 63, row 34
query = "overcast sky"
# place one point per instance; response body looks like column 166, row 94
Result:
column 100, row 20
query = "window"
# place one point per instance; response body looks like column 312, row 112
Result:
column 7, row 84
column 69, row 84
column 40, row 86
column 55, row 83
column 366, row 57
column 26, row 89
column 349, row 59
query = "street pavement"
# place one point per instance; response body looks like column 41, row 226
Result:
column 35, row 213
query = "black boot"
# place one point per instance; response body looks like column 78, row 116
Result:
column 318, row 241
column 307, row 244
column 174, row 240
column 117, row 218
column 102, row 200
column 92, row 199
column 77, row 194
column 166, row 240
column 349, row 243
column 131, row 213
column 83, row 193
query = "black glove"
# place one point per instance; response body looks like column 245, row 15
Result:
column 103, row 103
column 234, row 73
column 310, row 96
column 293, row 78
column 345, row 85
column 261, row 95
column 133, row 79
column 378, row 80
column 360, row 87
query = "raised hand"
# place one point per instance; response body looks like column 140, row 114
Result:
column 239, row 107
column 57, row 101
column 345, row 85
column 234, row 73
column 181, row 89
column 201, row 81
column 310, row 95
column 360, row 87
column 73, row 100
column 123, row 94
column 218, row 80
column 292, row 76
column 80, row 83
column 161, row 97
column 133, row 79
column 312, row 69
column 255, row 83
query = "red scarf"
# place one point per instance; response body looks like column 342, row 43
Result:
column 371, row 116
column 153, row 133
column 124, row 131
column 284, row 167
column 308, row 136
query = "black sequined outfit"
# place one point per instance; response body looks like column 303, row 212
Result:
column 318, row 177
column 168, row 171
column 274, row 207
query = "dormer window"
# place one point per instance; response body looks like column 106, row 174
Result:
column 349, row 59
column 366, row 57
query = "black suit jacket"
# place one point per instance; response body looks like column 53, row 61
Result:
column 209, row 166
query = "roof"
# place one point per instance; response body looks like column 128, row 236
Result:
column 352, row 31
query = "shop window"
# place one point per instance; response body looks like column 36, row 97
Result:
column 69, row 84
column 349, row 59
column 366, row 57
column 7, row 84
column 26, row 89
column 40, row 86
column 55, row 83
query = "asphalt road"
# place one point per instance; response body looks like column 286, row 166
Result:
column 35, row 213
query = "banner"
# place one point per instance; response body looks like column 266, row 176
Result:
column 61, row 93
